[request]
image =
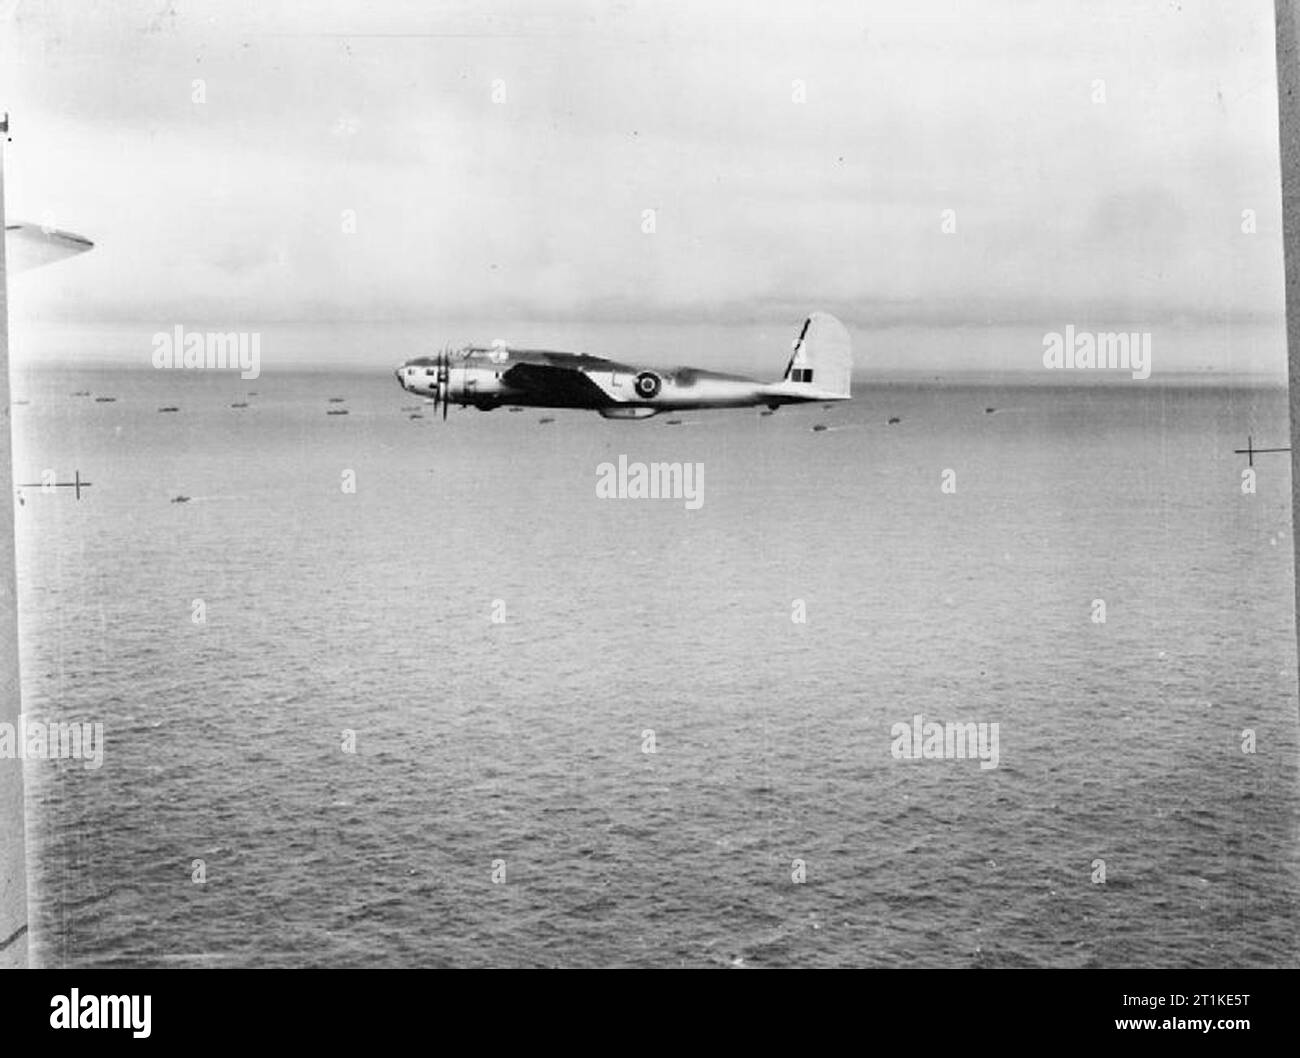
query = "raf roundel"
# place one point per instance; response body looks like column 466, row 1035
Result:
column 647, row 384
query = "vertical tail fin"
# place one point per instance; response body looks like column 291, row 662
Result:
column 823, row 356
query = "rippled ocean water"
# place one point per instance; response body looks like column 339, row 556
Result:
column 523, row 742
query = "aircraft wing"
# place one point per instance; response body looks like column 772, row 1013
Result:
column 558, row 387
column 30, row 245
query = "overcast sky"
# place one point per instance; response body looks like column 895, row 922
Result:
column 1126, row 212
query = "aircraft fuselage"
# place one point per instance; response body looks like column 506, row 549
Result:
column 487, row 377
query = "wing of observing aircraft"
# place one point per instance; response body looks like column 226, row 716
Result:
column 32, row 245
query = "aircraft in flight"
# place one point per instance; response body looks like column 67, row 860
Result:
column 487, row 377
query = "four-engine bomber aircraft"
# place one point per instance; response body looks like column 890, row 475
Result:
column 489, row 376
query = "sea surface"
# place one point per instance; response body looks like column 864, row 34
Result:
column 501, row 807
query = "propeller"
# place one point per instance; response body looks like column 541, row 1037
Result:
column 437, row 382
column 444, row 380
